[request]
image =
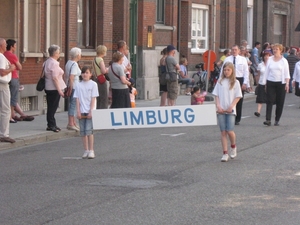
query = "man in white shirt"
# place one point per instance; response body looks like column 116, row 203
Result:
column 5, row 72
column 122, row 47
column 242, row 75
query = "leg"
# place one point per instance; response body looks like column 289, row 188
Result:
column 4, row 110
column 85, row 142
column 239, row 105
column 280, row 97
column 271, row 96
column 163, row 99
column 91, row 142
column 224, row 141
column 259, row 106
column 52, row 98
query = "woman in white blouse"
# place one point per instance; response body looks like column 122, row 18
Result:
column 296, row 79
column 260, row 90
column 277, row 83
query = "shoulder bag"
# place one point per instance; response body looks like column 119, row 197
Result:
column 40, row 86
column 68, row 90
column 102, row 78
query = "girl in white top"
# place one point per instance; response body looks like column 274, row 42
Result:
column 277, row 83
column 228, row 93
column 260, row 89
column 85, row 94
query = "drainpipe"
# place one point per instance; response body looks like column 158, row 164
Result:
column 178, row 25
column 67, row 37
column 215, row 18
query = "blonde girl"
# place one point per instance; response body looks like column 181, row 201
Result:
column 227, row 93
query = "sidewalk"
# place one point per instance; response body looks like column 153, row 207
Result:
column 34, row 132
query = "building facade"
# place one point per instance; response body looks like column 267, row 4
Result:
column 148, row 26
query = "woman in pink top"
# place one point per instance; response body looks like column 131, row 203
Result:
column 54, row 86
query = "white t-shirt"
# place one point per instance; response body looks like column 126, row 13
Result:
column 4, row 64
column 85, row 91
column 75, row 70
column 262, row 68
column 227, row 96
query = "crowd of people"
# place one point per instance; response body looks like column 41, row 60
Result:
column 86, row 89
column 275, row 70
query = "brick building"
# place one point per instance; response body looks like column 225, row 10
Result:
column 193, row 26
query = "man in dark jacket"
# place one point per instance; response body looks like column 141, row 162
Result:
column 292, row 59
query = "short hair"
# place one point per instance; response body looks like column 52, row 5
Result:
column 235, row 45
column 244, row 41
column 85, row 68
column 277, row 45
column 293, row 51
column 182, row 60
column 121, row 44
column 226, row 51
column 10, row 43
column 117, row 56
column 101, row 49
column 52, row 49
column 257, row 43
column 74, row 52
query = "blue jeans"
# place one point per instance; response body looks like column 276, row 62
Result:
column 187, row 81
column 226, row 121
column 86, row 126
column 72, row 104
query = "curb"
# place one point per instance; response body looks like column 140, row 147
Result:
column 37, row 139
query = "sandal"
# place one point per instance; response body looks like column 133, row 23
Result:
column 12, row 121
column 17, row 118
column 54, row 129
column 27, row 118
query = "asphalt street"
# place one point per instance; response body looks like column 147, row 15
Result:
column 165, row 176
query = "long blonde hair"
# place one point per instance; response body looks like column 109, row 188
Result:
column 231, row 78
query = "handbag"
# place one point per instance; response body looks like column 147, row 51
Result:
column 68, row 90
column 170, row 76
column 40, row 86
column 162, row 75
column 102, row 78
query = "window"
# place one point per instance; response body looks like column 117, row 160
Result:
column 160, row 11
column 86, row 23
column 199, row 28
column 278, row 28
column 249, row 26
column 32, row 26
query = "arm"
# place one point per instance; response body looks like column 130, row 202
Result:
column 246, row 75
column 103, row 69
column 219, row 108
column 4, row 72
column 78, row 109
column 124, row 80
column 92, row 106
column 233, row 104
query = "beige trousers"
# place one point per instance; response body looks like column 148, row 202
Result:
column 4, row 110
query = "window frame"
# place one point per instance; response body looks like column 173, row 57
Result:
column 88, row 28
column 160, row 11
column 203, row 27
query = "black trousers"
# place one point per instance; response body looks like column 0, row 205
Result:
column 239, row 105
column 275, row 95
column 52, row 97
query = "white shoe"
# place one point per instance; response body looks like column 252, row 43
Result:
column 85, row 154
column 91, row 154
column 233, row 153
column 72, row 128
column 225, row 158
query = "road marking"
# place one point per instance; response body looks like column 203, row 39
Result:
column 72, row 158
column 244, row 117
column 297, row 174
column 291, row 105
column 173, row 135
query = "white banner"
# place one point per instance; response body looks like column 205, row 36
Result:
column 146, row 117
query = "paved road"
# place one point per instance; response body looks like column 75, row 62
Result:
column 159, row 176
